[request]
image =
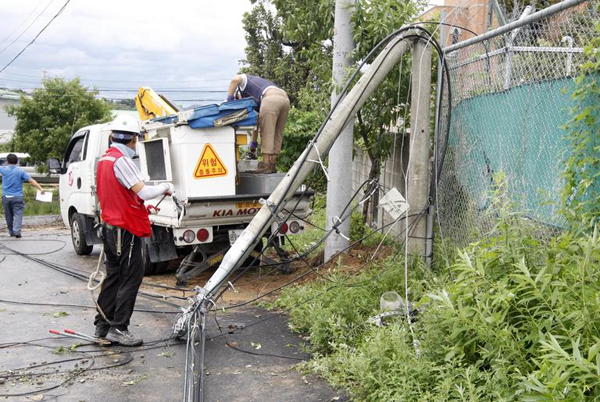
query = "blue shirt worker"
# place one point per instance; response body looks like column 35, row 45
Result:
column 273, row 108
column 13, row 178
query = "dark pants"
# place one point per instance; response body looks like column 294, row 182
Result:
column 13, row 210
column 124, row 276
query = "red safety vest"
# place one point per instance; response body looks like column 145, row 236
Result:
column 120, row 206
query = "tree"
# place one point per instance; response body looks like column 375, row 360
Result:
column 388, row 105
column 272, row 54
column 291, row 62
column 47, row 119
column 303, row 31
column 122, row 104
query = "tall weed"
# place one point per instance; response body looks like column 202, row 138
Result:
column 519, row 321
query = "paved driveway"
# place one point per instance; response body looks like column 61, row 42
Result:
column 37, row 366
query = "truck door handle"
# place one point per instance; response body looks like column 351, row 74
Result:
column 78, row 183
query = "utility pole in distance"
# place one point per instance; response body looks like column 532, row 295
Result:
column 339, row 188
column 419, row 161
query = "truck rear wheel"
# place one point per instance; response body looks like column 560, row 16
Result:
column 153, row 268
column 78, row 235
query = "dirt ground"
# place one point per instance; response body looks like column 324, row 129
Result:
column 262, row 283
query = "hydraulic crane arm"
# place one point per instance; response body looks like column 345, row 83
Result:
column 149, row 104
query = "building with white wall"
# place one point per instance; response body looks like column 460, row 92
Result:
column 7, row 123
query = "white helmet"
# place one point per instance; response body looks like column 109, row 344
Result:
column 124, row 127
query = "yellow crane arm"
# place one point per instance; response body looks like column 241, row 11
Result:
column 149, row 104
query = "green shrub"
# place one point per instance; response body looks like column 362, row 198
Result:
column 518, row 322
column 581, row 191
column 300, row 129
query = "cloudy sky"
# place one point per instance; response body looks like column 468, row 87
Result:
column 117, row 46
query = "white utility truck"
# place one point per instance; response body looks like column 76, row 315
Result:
column 198, row 151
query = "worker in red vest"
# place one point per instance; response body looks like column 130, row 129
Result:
column 122, row 192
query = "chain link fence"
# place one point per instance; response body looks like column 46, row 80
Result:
column 511, row 95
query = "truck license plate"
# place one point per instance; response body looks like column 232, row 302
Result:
column 247, row 205
column 234, row 234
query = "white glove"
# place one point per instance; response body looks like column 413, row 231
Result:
column 170, row 188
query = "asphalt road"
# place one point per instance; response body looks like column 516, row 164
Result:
column 35, row 365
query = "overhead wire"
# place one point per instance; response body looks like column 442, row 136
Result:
column 37, row 36
column 21, row 23
column 84, row 277
column 341, row 283
column 26, row 29
column 76, row 373
column 250, row 352
column 83, row 78
column 25, row 241
column 26, row 303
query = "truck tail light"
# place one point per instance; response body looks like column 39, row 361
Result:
column 283, row 229
column 202, row 235
column 189, row 236
column 295, row 227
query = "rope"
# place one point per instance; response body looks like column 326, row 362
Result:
column 92, row 287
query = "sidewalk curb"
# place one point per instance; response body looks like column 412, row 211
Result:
column 36, row 220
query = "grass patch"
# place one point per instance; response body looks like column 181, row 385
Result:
column 33, row 207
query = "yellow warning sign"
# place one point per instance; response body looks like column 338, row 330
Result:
column 209, row 164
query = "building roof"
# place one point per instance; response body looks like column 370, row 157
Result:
column 7, row 94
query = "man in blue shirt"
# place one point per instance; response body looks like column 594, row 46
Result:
column 13, row 178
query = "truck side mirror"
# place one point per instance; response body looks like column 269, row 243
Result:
column 54, row 166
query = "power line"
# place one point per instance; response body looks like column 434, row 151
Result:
column 36, row 36
column 26, row 29
column 117, row 98
column 132, row 81
column 199, row 90
column 134, row 91
column 21, row 23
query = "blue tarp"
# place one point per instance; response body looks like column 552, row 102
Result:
column 236, row 113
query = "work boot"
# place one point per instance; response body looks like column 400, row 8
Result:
column 101, row 331
column 123, row 337
column 267, row 165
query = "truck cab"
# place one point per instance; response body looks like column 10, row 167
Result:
column 79, row 207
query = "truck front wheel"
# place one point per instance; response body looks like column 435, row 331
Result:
column 78, row 235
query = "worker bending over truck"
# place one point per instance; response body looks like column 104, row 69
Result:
column 122, row 192
column 273, row 107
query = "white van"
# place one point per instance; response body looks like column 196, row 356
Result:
column 23, row 161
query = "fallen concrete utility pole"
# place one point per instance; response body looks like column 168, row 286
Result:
column 191, row 321
column 318, row 150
